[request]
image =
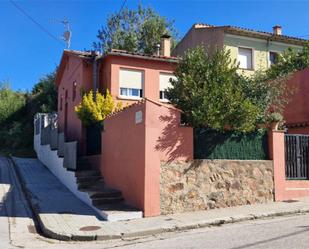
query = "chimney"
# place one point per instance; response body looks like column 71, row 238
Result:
column 166, row 45
column 158, row 49
column 277, row 30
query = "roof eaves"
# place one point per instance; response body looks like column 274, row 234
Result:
column 263, row 35
column 253, row 33
column 142, row 56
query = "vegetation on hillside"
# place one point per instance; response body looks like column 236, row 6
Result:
column 134, row 30
column 17, row 110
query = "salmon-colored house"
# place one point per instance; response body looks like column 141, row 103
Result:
column 134, row 141
column 129, row 77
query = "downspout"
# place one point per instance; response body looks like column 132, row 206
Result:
column 267, row 54
column 95, row 72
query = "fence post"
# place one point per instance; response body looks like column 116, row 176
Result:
column 270, row 144
column 278, row 148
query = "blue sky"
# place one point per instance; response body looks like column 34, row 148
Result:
column 27, row 53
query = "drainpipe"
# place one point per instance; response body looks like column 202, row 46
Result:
column 267, row 50
column 95, row 72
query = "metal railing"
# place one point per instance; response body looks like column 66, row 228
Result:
column 297, row 157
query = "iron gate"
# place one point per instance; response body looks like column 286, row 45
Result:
column 297, row 157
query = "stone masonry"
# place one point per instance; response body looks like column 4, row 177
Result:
column 208, row 184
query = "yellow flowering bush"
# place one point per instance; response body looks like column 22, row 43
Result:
column 91, row 111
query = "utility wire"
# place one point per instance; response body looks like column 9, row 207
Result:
column 122, row 5
column 35, row 22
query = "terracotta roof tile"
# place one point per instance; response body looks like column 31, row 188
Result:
column 141, row 55
column 140, row 102
column 87, row 54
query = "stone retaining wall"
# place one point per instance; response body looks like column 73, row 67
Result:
column 208, row 184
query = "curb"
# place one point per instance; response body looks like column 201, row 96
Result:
column 212, row 223
column 146, row 232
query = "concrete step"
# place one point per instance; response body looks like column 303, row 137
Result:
column 88, row 185
column 82, row 179
column 83, row 166
column 106, row 200
column 83, row 173
column 82, row 160
column 105, row 192
column 119, row 211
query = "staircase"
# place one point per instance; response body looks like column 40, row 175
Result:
column 108, row 201
column 77, row 174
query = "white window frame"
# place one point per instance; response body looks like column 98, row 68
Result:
column 130, row 96
column 128, row 88
column 252, row 57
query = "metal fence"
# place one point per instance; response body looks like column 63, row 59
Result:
column 297, row 157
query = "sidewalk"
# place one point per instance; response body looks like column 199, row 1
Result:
column 62, row 216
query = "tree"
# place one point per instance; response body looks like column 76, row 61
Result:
column 134, row 30
column 290, row 61
column 10, row 101
column 211, row 93
column 269, row 89
column 91, row 111
column 45, row 94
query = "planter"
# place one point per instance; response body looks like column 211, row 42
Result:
column 274, row 125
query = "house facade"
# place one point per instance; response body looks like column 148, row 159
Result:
column 147, row 157
column 129, row 77
column 253, row 50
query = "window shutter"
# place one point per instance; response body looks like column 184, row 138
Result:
column 131, row 79
column 165, row 81
column 245, row 58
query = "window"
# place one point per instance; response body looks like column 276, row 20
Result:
column 131, row 83
column 131, row 92
column 273, row 58
column 165, row 84
column 74, row 91
column 245, row 58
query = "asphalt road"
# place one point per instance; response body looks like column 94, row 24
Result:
column 284, row 232
column 17, row 228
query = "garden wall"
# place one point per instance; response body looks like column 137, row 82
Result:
column 134, row 142
column 208, row 184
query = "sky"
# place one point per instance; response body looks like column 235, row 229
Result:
column 27, row 53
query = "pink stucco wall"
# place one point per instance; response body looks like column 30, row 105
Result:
column 76, row 70
column 123, row 155
column 150, row 68
column 131, row 152
column 299, row 130
column 285, row 189
column 297, row 111
column 79, row 70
